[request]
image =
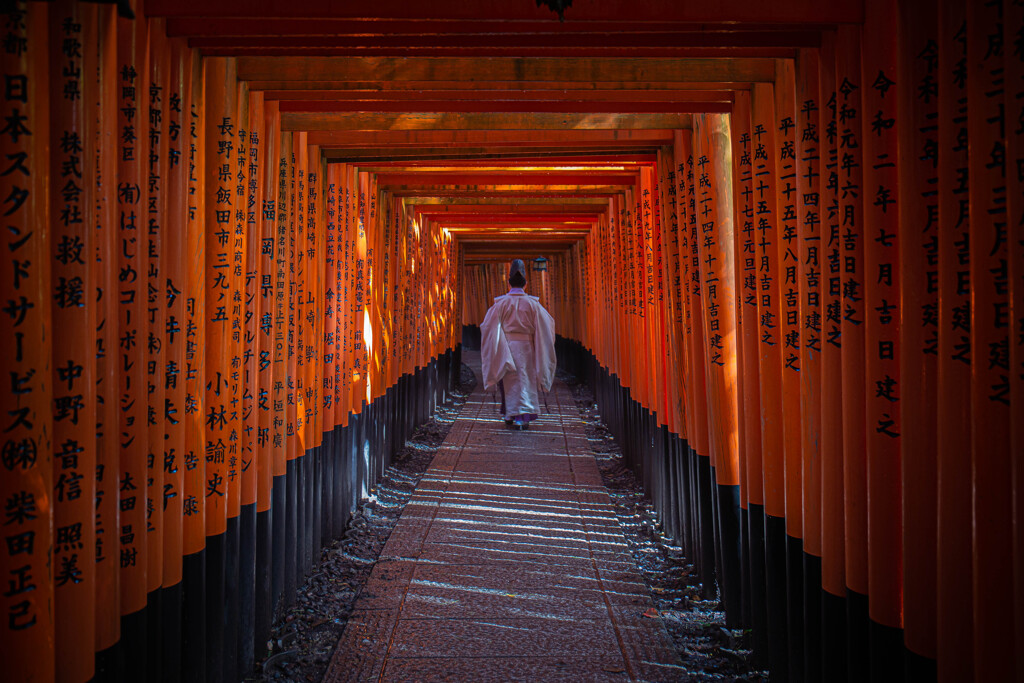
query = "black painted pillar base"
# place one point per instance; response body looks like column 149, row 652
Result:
column 833, row 637
column 758, row 583
column 170, row 651
column 728, row 498
column 154, row 635
column 291, row 545
column 775, row 575
column 217, row 614
column 107, row 665
column 747, row 618
column 263, row 612
column 813, row 626
column 795, row 606
column 246, row 642
column 193, row 617
column 920, row 669
column 857, row 620
column 279, row 540
column 232, row 599
column 132, row 650
column 888, row 657
column 707, row 526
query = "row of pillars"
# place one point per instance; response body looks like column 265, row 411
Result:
column 818, row 299
column 212, row 340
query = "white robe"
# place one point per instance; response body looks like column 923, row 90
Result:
column 518, row 348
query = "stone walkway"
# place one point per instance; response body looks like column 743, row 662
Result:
column 507, row 565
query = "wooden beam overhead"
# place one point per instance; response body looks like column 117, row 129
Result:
column 377, row 155
column 657, row 11
column 532, row 194
column 428, row 205
column 492, row 138
column 285, row 89
column 548, row 52
column 512, row 177
column 362, row 121
column 505, row 69
column 255, row 25
column 719, row 102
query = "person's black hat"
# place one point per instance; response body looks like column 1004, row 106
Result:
column 517, row 273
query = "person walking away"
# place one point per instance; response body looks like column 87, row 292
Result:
column 517, row 349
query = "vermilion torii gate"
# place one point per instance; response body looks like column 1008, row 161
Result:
column 786, row 246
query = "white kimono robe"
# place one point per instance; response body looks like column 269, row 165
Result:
column 518, row 349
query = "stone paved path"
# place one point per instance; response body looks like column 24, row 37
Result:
column 507, row 565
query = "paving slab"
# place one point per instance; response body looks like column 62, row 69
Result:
column 508, row 564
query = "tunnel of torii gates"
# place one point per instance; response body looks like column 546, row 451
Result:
column 785, row 247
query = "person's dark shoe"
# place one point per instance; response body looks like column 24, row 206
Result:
column 521, row 425
column 510, row 424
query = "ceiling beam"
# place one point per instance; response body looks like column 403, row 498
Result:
column 458, row 121
column 586, row 70
column 658, row 11
column 491, row 138
column 719, row 102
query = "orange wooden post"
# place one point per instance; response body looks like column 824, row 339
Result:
column 104, row 150
column 833, row 526
column 646, row 201
column 194, row 377
column 171, row 296
column 683, row 151
column 132, row 197
column 268, row 285
column 254, row 553
column 1014, row 98
column 955, row 626
column 360, row 319
column 918, row 245
column 748, row 353
column 254, row 353
column 883, row 390
column 174, row 293
column 220, row 423
column 318, row 208
column 73, row 364
column 221, row 163
column 662, row 309
column 808, row 250
column 236, row 309
column 331, row 296
column 624, row 236
column 286, row 216
column 314, row 252
column 155, row 212
column 301, row 438
column 300, row 154
column 26, row 486
column 769, row 305
column 279, row 192
column 698, row 342
column 673, row 313
column 276, row 217
column 374, row 264
column 715, row 216
column 990, row 332
column 787, row 199
column 343, row 299
column 194, row 506
column 849, row 87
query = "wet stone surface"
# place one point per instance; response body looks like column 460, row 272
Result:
column 402, row 623
column 709, row 650
column 304, row 636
